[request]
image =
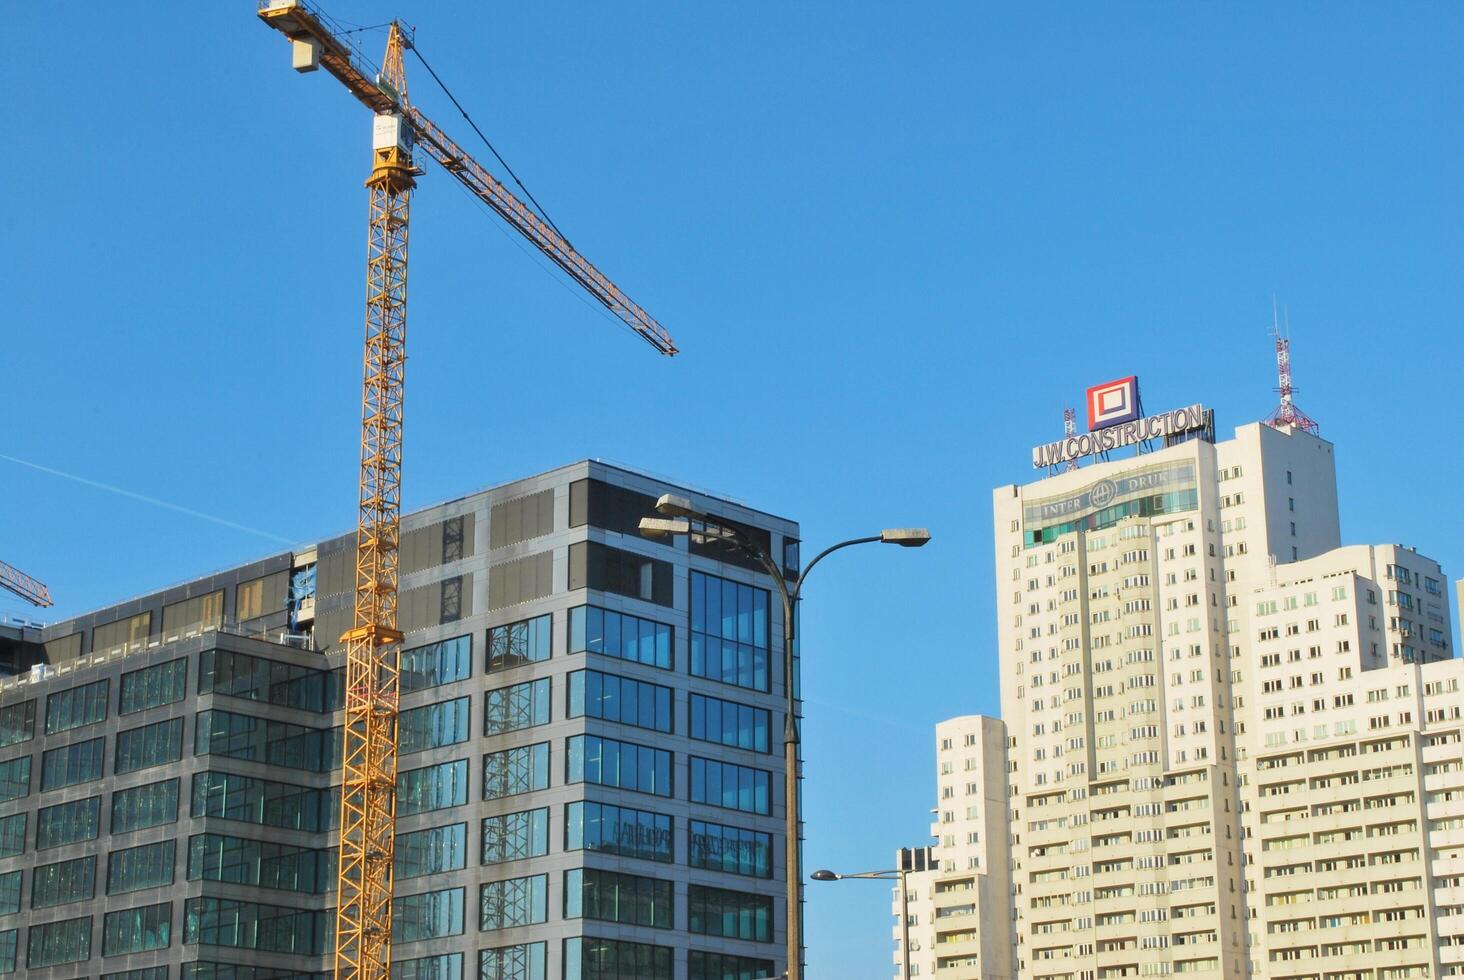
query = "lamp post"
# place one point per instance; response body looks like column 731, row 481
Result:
column 680, row 517
column 824, row 875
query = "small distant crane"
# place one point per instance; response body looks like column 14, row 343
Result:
column 14, row 580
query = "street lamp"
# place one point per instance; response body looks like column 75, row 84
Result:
column 679, row 516
column 909, row 862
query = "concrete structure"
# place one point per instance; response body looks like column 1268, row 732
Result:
column 960, row 918
column 589, row 778
column 1234, row 744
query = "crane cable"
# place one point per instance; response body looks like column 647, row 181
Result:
column 530, row 194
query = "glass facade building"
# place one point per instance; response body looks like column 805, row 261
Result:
column 589, row 783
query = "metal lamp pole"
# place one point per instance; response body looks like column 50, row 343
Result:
column 681, row 515
column 904, row 903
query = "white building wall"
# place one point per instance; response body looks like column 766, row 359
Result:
column 1152, row 665
column 960, row 914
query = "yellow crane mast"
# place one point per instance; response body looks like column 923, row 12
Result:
column 368, row 780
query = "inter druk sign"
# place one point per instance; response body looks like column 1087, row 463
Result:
column 1173, row 423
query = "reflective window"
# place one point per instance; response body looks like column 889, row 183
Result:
column 610, row 896
column 53, row 943
column 520, row 770
column 432, row 726
column 599, row 567
column 729, row 632
column 513, row 902
column 515, row 836
column 431, row 851
column 74, row 708
column 10, row 893
column 149, row 805
column 137, row 930
column 266, row 864
column 18, row 723
column 435, row 664
column 264, row 802
column 731, row 849
column 520, row 643
column 209, row 970
column 430, row 915
column 625, row 637
column 448, row 966
column 729, row 914
column 67, row 823
column 432, row 788
column 729, row 723
column 15, row 778
column 240, row 675
column 136, row 868
column 522, row 962
column 154, row 686
column 64, row 882
column 251, row 925
column 724, row 966
column 509, row 709
column 592, row 958
column 610, row 829
column 277, row 743
column 12, row 834
column 147, row 973
column 731, row 786
column 9, row 943
column 608, row 762
column 72, row 764
column 148, row 746
column 620, row 699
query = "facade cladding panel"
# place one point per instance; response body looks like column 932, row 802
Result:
column 169, row 786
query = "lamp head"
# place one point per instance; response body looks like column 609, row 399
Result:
column 824, row 875
column 671, row 505
column 905, row 537
column 663, row 527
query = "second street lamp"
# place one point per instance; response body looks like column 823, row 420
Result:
column 678, row 517
column 910, row 861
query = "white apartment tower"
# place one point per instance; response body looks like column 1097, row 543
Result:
column 1224, row 728
column 960, row 912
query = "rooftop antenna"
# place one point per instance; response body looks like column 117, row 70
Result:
column 1287, row 413
column 1070, row 428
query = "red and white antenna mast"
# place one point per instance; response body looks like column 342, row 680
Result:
column 1070, row 428
column 1287, row 413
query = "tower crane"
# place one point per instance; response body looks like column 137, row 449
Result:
column 368, row 785
column 14, row 580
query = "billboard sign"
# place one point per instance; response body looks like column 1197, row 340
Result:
column 1113, row 403
column 1167, row 425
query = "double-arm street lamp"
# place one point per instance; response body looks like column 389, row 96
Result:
column 679, row 517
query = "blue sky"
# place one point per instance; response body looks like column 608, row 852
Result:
column 892, row 241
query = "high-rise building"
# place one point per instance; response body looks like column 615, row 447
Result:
column 959, row 911
column 590, row 775
column 1233, row 744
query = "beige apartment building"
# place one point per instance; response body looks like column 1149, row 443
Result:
column 960, row 912
column 1232, row 744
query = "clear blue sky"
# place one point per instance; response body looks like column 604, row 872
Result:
column 893, row 242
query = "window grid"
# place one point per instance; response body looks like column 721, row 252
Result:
column 610, row 762
column 153, row 687
column 515, row 644
column 518, row 706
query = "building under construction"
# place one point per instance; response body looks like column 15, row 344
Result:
column 590, row 759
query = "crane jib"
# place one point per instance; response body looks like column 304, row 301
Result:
column 299, row 21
